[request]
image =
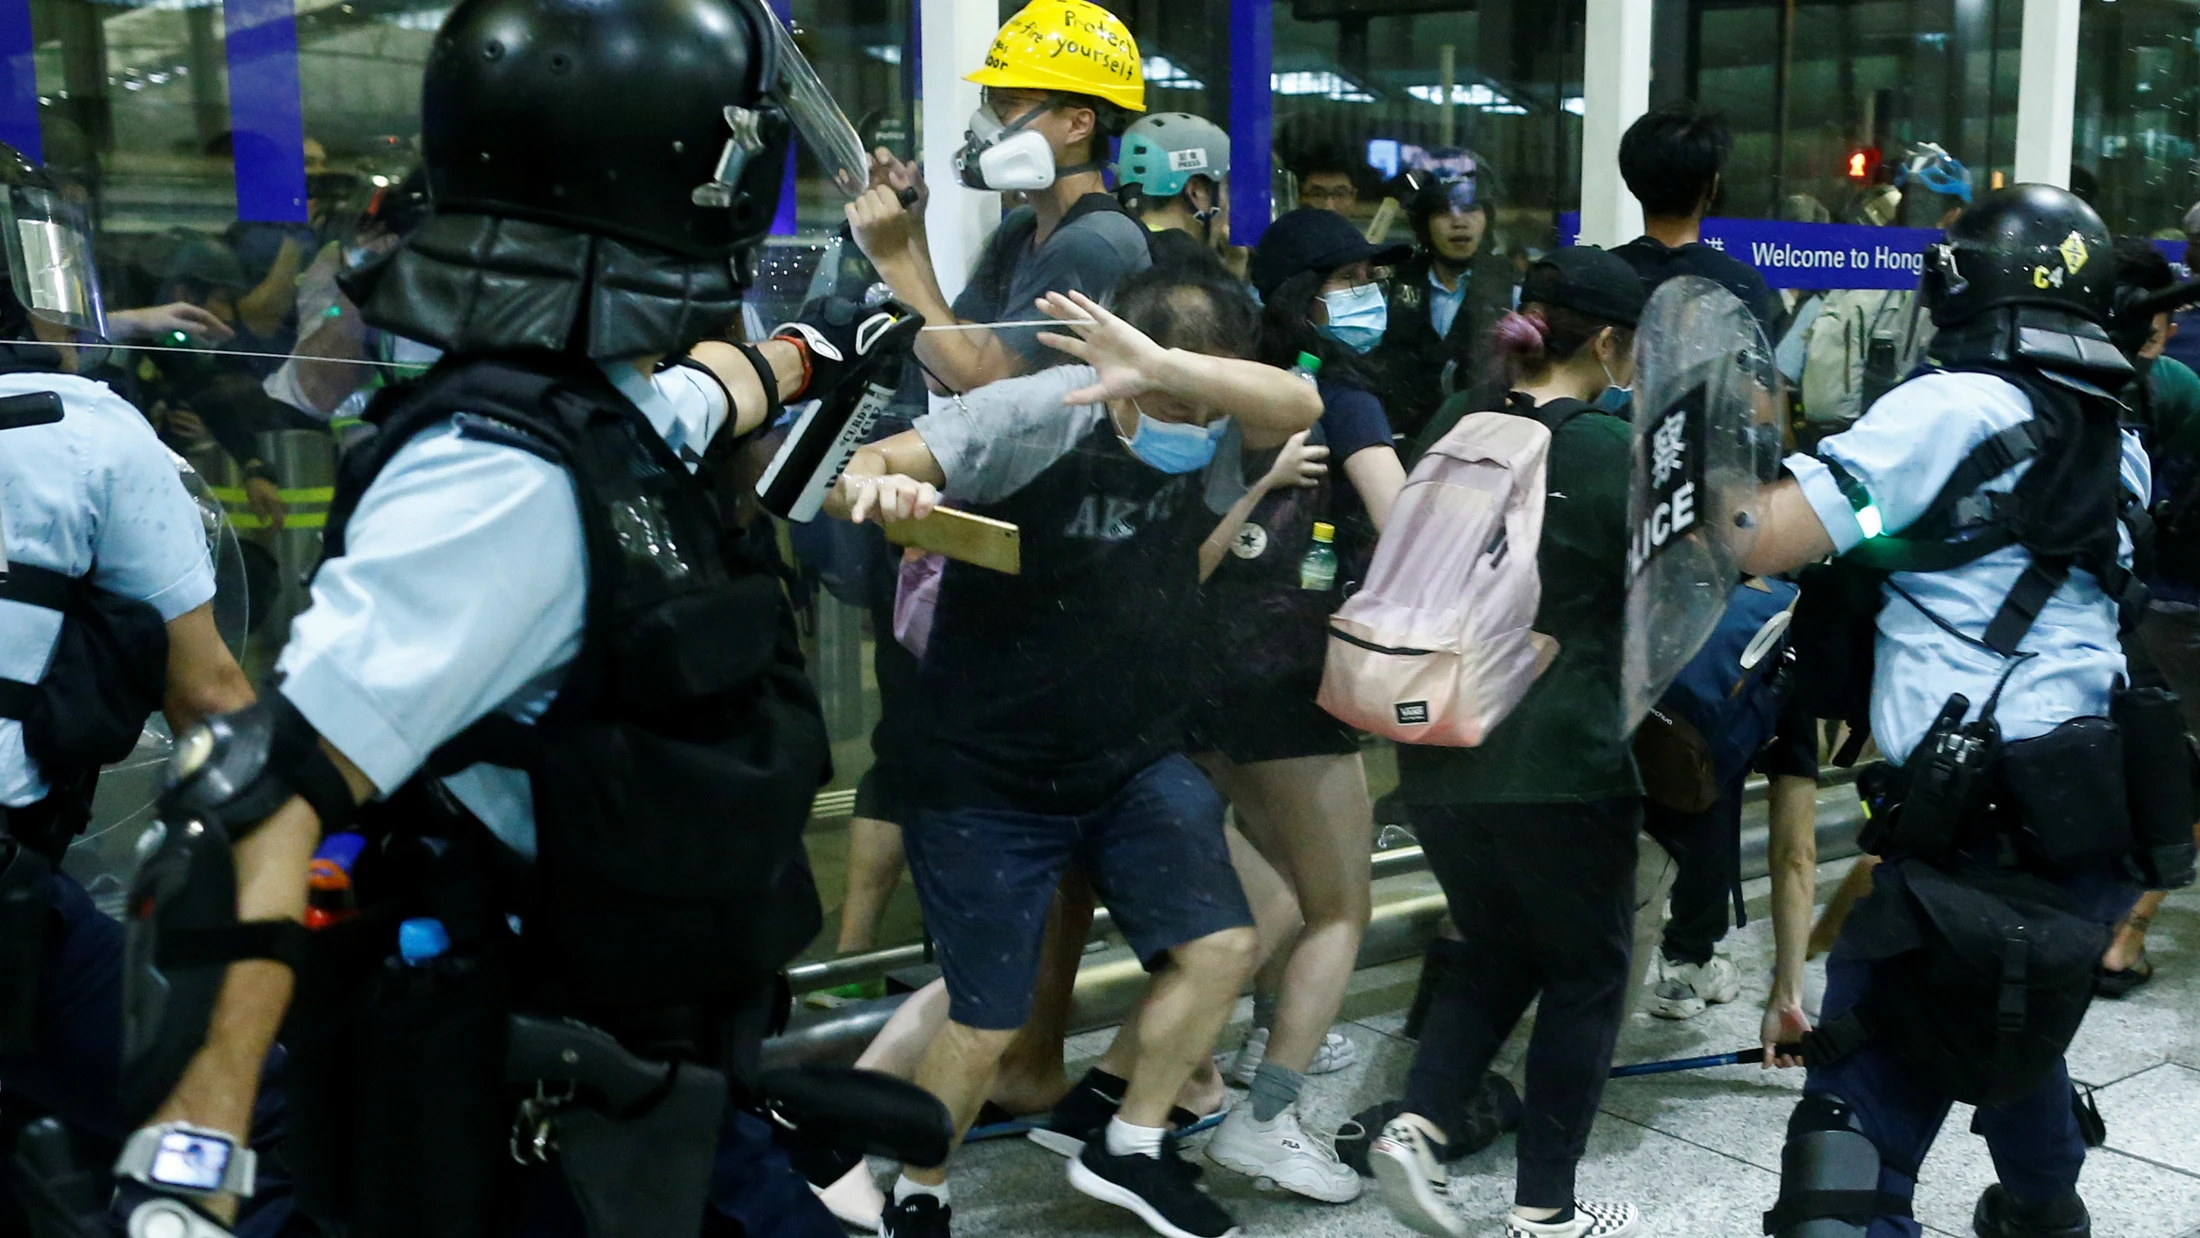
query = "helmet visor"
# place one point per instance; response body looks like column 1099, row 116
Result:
column 49, row 244
column 824, row 128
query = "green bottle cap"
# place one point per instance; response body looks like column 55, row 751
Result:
column 1310, row 363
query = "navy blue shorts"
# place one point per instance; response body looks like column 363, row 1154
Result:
column 1154, row 853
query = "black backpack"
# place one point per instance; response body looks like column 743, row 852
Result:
column 673, row 775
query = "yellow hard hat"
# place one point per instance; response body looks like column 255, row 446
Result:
column 1067, row 45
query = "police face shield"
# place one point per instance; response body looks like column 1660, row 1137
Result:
column 793, row 97
column 49, row 242
column 1705, row 434
column 817, row 117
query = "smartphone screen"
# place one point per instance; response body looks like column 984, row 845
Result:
column 192, row 1162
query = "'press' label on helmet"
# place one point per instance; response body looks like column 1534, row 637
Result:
column 1412, row 713
column 1187, row 160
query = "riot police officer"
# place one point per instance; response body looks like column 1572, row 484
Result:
column 543, row 646
column 109, row 616
column 1443, row 302
column 1976, row 512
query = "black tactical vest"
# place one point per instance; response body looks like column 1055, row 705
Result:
column 673, row 775
column 108, row 673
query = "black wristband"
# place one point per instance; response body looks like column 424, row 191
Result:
column 774, row 407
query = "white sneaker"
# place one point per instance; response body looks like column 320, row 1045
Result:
column 1412, row 1180
column 1685, row 989
column 1590, row 1221
column 1335, row 1054
column 1281, row 1152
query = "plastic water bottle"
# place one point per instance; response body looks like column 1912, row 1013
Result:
column 421, row 942
column 1308, row 367
column 1318, row 570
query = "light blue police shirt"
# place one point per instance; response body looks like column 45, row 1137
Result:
column 1444, row 303
column 461, row 590
column 94, row 492
column 1901, row 452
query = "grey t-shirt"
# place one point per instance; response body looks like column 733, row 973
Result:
column 1090, row 253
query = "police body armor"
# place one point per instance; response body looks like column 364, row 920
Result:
column 107, row 674
column 672, row 778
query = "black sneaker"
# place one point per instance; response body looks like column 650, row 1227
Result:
column 1999, row 1216
column 920, row 1216
column 1088, row 1107
column 1163, row 1191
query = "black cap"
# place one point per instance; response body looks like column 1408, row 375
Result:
column 1312, row 239
column 1587, row 280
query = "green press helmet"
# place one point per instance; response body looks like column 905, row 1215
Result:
column 1163, row 151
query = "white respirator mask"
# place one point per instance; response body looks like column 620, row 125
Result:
column 1005, row 157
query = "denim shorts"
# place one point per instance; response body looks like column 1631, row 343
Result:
column 1154, row 853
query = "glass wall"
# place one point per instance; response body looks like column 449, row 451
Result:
column 2138, row 78
column 1831, row 99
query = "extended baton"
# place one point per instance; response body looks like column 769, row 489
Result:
column 1740, row 1057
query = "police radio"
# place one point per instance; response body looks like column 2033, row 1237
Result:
column 825, row 438
column 1946, row 784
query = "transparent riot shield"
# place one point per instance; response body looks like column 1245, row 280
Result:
column 104, row 856
column 1707, row 400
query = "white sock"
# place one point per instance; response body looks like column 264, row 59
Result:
column 1125, row 1139
column 906, row 1186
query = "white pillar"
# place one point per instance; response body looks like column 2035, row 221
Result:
column 1615, row 90
column 2047, row 91
column 957, row 34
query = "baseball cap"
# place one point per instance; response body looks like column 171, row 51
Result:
column 1586, row 280
column 1312, row 239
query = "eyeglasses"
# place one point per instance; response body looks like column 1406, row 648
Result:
column 1008, row 105
column 1329, row 196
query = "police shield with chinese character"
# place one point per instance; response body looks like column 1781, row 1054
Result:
column 1704, row 393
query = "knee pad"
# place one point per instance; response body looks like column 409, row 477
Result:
column 1829, row 1175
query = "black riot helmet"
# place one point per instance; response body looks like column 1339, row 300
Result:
column 2024, row 246
column 649, row 121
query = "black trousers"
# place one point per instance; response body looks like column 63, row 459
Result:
column 1544, row 896
column 1706, row 850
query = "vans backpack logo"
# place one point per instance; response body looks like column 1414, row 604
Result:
column 1412, row 713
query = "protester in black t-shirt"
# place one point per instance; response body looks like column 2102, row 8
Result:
column 1056, row 699
column 1291, row 771
column 1672, row 158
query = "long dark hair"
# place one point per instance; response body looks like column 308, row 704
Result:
column 1287, row 329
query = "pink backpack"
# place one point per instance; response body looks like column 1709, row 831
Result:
column 1440, row 643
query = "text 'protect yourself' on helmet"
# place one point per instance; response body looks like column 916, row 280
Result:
column 1067, row 46
column 2030, row 245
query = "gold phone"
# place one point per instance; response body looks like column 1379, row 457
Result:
column 982, row 540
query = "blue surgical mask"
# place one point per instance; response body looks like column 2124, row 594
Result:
column 1358, row 316
column 1615, row 398
column 1174, row 446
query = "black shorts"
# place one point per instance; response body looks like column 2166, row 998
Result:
column 1265, row 724
column 1154, row 852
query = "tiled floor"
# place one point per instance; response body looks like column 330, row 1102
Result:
column 1699, row 1153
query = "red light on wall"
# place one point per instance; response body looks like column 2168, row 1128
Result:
column 1862, row 162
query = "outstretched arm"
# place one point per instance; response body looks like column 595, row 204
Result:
column 1269, row 404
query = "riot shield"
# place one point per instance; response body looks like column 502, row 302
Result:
column 1706, row 400
column 232, row 607
column 104, row 856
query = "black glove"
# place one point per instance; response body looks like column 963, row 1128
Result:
column 834, row 333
